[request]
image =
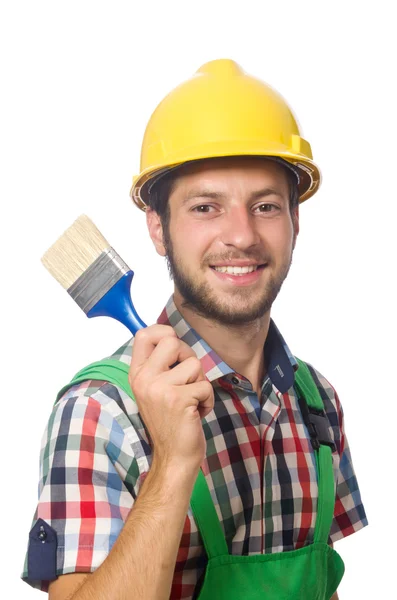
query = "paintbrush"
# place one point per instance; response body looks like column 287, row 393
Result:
column 92, row 272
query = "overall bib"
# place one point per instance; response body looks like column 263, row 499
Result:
column 312, row 572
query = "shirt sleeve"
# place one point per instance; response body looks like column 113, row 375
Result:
column 88, row 484
column 349, row 512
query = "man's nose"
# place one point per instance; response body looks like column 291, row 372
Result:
column 239, row 228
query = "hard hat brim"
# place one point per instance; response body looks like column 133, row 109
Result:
column 309, row 174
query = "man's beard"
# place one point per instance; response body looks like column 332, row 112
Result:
column 201, row 298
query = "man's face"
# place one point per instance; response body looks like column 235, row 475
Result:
column 230, row 238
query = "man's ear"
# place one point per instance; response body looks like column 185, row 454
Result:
column 155, row 228
column 295, row 222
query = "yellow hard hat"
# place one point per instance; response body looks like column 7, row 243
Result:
column 222, row 111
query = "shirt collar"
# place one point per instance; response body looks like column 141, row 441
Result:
column 281, row 364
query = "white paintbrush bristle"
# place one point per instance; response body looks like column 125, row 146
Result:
column 71, row 255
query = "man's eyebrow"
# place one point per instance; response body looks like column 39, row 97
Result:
column 265, row 192
column 204, row 193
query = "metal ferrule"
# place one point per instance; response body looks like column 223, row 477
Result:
column 97, row 280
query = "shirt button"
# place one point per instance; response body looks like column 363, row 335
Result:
column 42, row 535
column 235, row 380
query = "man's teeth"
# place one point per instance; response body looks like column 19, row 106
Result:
column 236, row 270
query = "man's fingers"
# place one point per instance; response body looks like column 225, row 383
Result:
column 200, row 395
column 146, row 340
column 187, row 371
column 168, row 352
column 158, row 350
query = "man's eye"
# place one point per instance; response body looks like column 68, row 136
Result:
column 202, row 208
column 266, row 207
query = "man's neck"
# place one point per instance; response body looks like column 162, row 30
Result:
column 239, row 346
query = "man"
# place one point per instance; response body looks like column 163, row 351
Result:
column 223, row 171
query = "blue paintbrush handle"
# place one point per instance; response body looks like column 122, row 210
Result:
column 117, row 304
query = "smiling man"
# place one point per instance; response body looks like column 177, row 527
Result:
column 228, row 475
column 229, row 245
column 237, row 212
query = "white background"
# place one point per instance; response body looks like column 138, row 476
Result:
column 79, row 81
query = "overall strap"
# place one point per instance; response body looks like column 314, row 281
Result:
column 316, row 420
column 111, row 370
column 207, row 520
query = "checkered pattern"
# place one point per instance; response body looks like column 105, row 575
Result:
column 260, row 465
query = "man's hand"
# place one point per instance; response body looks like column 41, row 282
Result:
column 171, row 401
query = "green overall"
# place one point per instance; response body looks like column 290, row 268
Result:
column 312, row 572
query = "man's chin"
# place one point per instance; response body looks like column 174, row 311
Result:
column 241, row 313
column 231, row 306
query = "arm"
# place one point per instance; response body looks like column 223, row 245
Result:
column 143, row 557
column 142, row 560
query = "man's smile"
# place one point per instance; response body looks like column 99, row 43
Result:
column 242, row 275
column 234, row 270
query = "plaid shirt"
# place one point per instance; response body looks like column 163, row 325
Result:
column 260, row 466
